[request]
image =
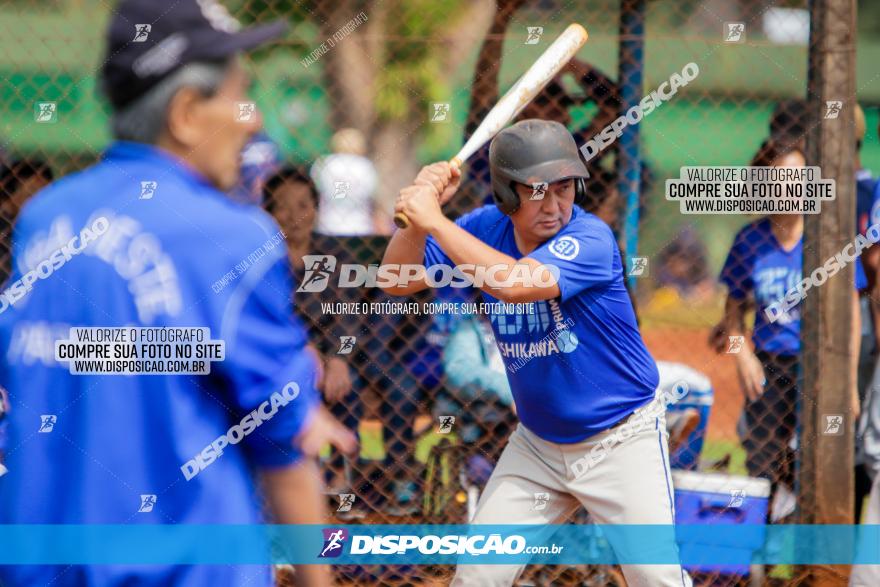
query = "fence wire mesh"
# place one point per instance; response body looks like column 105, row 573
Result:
column 359, row 94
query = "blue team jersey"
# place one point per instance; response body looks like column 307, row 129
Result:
column 758, row 267
column 572, row 384
column 186, row 256
column 866, row 199
column 874, row 216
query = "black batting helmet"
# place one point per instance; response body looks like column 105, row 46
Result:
column 533, row 152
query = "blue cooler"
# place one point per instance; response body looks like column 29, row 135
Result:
column 714, row 499
column 699, row 396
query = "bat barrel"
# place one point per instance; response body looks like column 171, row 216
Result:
column 523, row 91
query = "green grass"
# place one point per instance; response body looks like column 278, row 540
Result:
column 372, row 448
column 714, row 450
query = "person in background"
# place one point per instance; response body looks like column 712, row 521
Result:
column 291, row 197
column 764, row 263
column 788, row 122
column 386, row 368
column 867, row 459
column 260, row 158
column 19, row 180
column 683, row 265
column 868, row 429
column 347, row 182
column 477, row 393
column 866, row 183
column 377, row 362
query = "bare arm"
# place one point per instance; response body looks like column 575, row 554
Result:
column 732, row 319
column 294, row 492
column 295, row 498
column 748, row 367
column 735, row 316
column 406, row 247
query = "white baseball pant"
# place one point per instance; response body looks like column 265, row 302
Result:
column 869, row 575
column 631, row 484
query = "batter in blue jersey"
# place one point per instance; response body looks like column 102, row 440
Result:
column 592, row 432
column 577, row 362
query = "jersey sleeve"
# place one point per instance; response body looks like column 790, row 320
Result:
column 874, row 216
column 434, row 255
column 583, row 256
column 861, row 278
column 737, row 271
column 266, row 353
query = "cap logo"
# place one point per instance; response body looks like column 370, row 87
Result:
column 162, row 57
column 218, row 17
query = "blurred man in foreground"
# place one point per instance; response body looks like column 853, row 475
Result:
column 149, row 239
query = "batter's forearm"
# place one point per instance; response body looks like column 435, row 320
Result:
column 466, row 249
column 406, row 247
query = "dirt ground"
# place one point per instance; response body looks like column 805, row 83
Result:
column 688, row 346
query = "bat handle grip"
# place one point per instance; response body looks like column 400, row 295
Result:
column 400, row 219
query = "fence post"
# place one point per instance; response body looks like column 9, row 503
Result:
column 629, row 79
column 826, row 467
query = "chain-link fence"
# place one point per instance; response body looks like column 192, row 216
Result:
column 360, row 94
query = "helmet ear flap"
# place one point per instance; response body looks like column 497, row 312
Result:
column 580, row 191
column 506, row 198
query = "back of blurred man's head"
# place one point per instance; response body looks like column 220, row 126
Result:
column 178, row 83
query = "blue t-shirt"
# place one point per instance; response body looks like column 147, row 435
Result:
column 874, row 216
column 572, row 384
column 186, row 256
column 757, row 266
column 866, row 200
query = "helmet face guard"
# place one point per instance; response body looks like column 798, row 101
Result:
column 534, row 153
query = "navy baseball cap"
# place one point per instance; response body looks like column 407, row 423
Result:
column 149, row 39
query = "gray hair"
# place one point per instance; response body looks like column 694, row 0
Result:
column 143, row 120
